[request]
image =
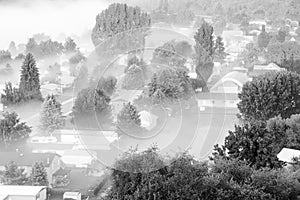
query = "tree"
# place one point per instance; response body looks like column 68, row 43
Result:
column 286, row 55
column 50, row 48
column 281, row 35
column 275, row 94
column 121, row 27
column 11, row 95
column 263, row 38
column 204, row 51
column 148, row 175
column 51, row 114
column 289, row 128
column 128, row 120
column 70, row 46
column 219, row 48
column 107, row 84
column 219, row 10
column 253, row 143
column 12, row 130
column 164, row 53
column 13, row 175
column 12, row 48
column 77, row 58
column 32, row 47
column 245, row 26
column 82, row 78
column 5, row 56
column 38, row 176
column 204, row 40
column 29, row 84
column 293, row 11
column 168, row 85
column 184, row 17
column 134, row 78
column 89, row 101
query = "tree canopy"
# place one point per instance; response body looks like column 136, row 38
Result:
column 51, row 114
column 29, row 85
column 121, row 27
column 270, row 95
column 12, row 130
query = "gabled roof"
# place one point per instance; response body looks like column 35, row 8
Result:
column 26, row 159
column 236, row 77
column 20, row 190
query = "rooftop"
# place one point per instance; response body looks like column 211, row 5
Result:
column 217, row 96
column 26, row 159
column 239, row 78
column 6, row 190
column 286, row 155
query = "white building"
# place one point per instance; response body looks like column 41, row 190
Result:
column 51, row 88
column 16, row 192
column 262, row 69
column 287, row 155
column 230, row 83
column 148, row 120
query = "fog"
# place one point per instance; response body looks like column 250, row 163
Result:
column 21, row 19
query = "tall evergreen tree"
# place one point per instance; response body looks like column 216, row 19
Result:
column 38, row 176
column 219, row 48
column 128, row 119
column 70, row 45
column 30, row 79
column 51, row 114
column 204, row 39
column 204, row 51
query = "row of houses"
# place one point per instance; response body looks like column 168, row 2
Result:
column 224, row 93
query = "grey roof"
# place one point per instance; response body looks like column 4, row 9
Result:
column 26, row 159
column 217, row 96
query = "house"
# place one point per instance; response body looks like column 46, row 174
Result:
column 72, row 195
column 61, row 177
column 51, row 88
column 287, row 155
column 64, row 140
column 51, row 161
column 148, row 120
column 20, row 192
column 230, row 83
column 79, row 158
column 262, row 69
column 66, row 81
column 217, row 100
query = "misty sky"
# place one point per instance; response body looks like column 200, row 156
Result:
column 21, row 19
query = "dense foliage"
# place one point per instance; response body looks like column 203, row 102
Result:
column 38, row 175
column 12, row 130
column 121, row 27
column 51, row 114
column 204, row 49
column 128, row 120
column 29, row 85
column 147, row 175
column 168, row 85
column 270, row 95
